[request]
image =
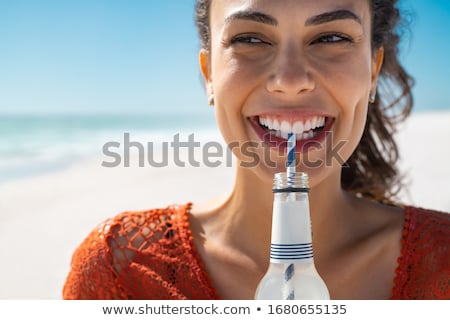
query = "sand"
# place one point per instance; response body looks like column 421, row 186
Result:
column 43, row 218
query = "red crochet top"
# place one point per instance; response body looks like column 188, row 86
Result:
column 151, row 255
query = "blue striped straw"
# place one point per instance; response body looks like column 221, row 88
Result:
column 291, row 155
column 289, row 292
column 289, row 272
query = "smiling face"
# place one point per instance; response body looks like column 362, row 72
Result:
column 291, row 66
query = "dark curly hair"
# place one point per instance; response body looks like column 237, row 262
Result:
column 371, row 171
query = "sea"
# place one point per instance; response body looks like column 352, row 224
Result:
column 32, row 144
column 36, row 144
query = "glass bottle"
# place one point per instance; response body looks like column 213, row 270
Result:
column 292, row 274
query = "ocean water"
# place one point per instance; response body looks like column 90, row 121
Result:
column 33, row 144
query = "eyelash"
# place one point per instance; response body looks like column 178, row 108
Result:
column 331, row 38
column 327, row 38
column 248, row 40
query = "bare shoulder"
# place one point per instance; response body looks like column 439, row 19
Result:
column 204, row 214
column 380, row 222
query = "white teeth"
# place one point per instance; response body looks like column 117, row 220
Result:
column 276, row 125
column 308, row 125
column 307, row 135
column 297, row 128
column 302, row 129
column 285, row 127
column 321, row 122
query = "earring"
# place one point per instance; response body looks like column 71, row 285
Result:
column 372, row 97
column 211, row 99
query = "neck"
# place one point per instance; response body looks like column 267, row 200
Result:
column 246, row 217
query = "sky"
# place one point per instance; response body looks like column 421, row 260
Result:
column 140, row 56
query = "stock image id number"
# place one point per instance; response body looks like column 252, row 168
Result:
column 307, row 309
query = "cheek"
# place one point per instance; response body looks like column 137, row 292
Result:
column 229, row 83
column 348, row 85
column 234, row 78
column 234, row 81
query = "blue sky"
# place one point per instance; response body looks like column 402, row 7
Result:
column 140, row 56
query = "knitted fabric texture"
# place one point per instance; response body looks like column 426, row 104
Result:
column 423, row 270
column 151, row 255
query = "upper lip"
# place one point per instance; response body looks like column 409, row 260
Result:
column 293, row 113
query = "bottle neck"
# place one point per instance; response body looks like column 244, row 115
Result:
column 291, row 228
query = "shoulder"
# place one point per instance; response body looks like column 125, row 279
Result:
column 129, row 225
column 426, row 234
column 420, row 221
column 109, row 249
column 145, row 222
column 132, row 231
column 425, row 247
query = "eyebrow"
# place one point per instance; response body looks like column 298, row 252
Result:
column 252, row 16
column 332, row 16
column 315, row 20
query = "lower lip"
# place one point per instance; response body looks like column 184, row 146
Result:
column 301, row 146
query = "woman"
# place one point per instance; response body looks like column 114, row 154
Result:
column 270, row 68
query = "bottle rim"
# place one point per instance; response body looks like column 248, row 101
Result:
column 293, row 182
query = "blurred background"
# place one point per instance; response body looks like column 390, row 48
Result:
column 77, row 74
column 74, row 72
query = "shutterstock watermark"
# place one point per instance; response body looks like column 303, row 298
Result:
column 187, row 151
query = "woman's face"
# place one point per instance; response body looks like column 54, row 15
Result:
column 301, row 66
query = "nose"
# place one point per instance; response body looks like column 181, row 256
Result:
column 290, row 75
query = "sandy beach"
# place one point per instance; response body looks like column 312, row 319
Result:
column 44, row 217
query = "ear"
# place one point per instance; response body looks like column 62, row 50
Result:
column 205, row 68
column 377, row 63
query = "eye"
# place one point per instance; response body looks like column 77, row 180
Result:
column 333, row 38
column 244, row 39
